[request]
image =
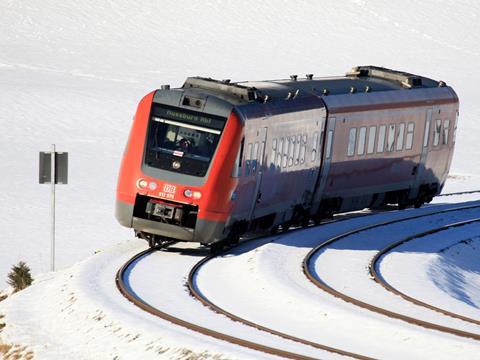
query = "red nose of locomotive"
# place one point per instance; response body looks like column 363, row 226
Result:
column 175, row 179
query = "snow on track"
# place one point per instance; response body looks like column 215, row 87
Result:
column 443, row 269
column 269, row 288
column 79, row 313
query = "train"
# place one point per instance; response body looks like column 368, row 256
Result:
column 215, row 159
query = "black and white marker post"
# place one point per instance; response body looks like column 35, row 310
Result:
column 53, row 170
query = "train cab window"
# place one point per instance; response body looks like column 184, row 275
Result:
column 382, row 130
column 372, row 131
column 436, row 132
column 409, row 139
column 391, row 137
column 400, row 136
column 446, row 129
column 315, row 146
column 178, row 142
column 328, row 152
column 279, row 153
column 351, row 141
column 362, row 133
column 303, row 149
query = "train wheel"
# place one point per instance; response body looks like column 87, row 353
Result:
column 286, row 225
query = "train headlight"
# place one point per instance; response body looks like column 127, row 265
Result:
column 197, row 195
column 152, row 185
column 192, row 194
column 142, row 183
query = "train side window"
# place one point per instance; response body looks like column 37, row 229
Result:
column 446, row 129
column 315, row 146
column 351, row 141
column 286, row 148
column 328, row 153
column 247, row 159
column 437, row 131
column 372, row 131
column 362, row 133
column 391, row 137
column 382, row 130
column 400, row 136
column 254, row 158
column 274, row 151
column 303, row 149
column 297, row 149
column 279, row 153
column 409, row 139
column 291, row 151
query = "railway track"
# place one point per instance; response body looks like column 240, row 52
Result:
column 308, row 266
column 375, row 263
column 131, row 296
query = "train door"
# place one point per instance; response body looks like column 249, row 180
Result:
column 260, row 143
column 423, row 155
column 325, row 165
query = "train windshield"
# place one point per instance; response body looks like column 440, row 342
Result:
column 182, row 141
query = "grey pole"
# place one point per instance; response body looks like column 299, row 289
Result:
column 52, row 187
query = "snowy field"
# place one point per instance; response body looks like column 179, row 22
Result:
column 72, row 73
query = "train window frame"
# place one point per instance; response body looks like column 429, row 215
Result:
column 400, row 137
column 352, row 136
column 274, row 151
column 314, row 146
column 446, row 131
column 391, row 137
column 437, row 130
column 382, row 132
column 362, row 137
column 303, row 148
column 409, row 135
column 372, row 133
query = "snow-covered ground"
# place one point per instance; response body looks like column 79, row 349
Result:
column 72, row 72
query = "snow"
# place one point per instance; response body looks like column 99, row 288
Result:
column 72, row 73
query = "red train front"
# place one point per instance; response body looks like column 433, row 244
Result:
column 174, row 180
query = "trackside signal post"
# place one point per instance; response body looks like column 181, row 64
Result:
column 53, row 169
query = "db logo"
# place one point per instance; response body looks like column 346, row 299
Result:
column 170, row 189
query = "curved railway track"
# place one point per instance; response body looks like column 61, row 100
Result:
column 132, row 297
column 307, row 269
column 374, row 265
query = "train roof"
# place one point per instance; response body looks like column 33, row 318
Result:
column 361, row 79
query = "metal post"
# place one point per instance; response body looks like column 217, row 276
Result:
column 52, row 187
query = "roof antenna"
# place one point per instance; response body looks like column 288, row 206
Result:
column 294, row 77
column 309, row 76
